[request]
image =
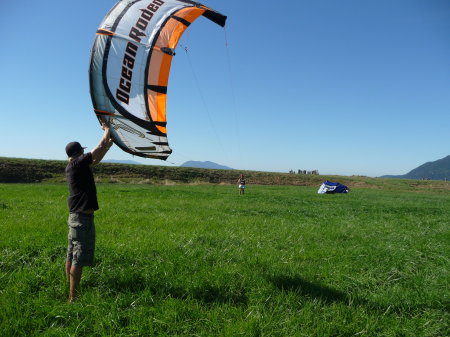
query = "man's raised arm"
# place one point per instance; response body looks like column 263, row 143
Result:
column 105, row 143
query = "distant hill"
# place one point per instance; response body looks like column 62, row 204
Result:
column 118, row 161
column 205, row 164
column 434, row 170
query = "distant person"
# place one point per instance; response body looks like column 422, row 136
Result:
column 241, row 182
column 82, row 205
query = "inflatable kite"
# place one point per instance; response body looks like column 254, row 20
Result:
column 331, row 187
column 130, row 65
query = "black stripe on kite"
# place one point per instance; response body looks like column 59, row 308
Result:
column 104, row 32
column 183, row 21
column 104, row 113
column 168, row 51
column 160, row 143
column 145, row 148
column 216, row 17
column 158, row 88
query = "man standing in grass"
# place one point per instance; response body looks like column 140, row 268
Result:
column 241, row 182
column 82, row 205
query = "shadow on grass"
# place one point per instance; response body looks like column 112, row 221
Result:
column 138, row 281
column 328, row 295
column 164, row 288
column 211, row 294
column 308, row 289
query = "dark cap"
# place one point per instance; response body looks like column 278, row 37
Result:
column 73, row 148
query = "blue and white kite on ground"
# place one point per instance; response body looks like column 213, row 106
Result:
column 331, row 187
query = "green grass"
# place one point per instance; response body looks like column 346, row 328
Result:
column 203, row 261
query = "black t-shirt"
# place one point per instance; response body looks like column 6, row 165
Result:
column 82, row 191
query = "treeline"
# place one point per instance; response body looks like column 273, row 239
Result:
column 304, row 172
column 18, row 170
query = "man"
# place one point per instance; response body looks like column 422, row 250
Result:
column 82, row 205
column 241, row 182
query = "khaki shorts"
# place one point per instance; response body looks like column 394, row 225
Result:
column 81, row 245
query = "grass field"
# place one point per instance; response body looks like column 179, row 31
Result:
column 203, row 261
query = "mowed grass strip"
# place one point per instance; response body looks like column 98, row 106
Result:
column 203, row 261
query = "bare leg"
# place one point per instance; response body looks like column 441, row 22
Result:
column 75, row 278
column 68, row 266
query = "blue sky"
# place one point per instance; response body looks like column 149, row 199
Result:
column 346, row 87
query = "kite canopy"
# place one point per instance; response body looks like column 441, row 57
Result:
column 331, row 187
column 130, row 65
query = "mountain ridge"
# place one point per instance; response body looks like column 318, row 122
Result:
column 205, row 164
column 432, row 170
column 119, row 161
